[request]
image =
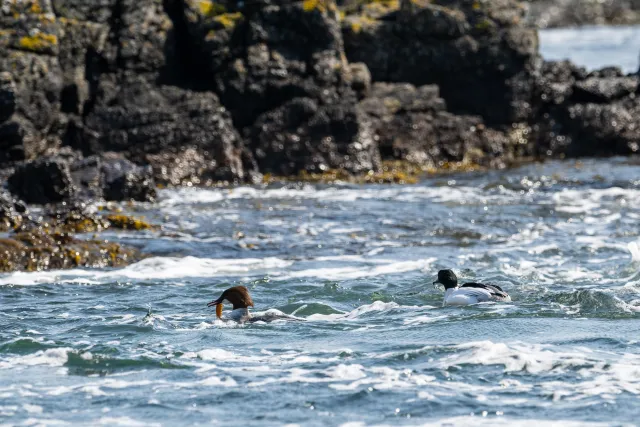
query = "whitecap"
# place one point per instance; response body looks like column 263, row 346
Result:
column 362, row 271
column 49, row 357
column 156, row 268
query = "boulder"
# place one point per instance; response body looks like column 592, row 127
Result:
column 574, row 13
column 584, row 114
column 12, row 211
column 124, row 180
column 304, row 135
column 46, row 180
column 412, row 124
column 38, row 250
column 157, row 125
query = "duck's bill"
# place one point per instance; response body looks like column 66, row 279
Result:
column 218, row 304
column 437, row 282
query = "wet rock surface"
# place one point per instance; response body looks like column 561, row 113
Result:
column 107, row 100
column 587, row 114
column 571, row 13
column 45, row 240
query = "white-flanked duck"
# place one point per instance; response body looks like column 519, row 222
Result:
column 239, row 298
column 469, row 293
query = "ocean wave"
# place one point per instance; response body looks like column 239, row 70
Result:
column 172, row 198
column 591, row 301
column 50, row 357
column 172, row 268
column 379, row 268
column 156, row 268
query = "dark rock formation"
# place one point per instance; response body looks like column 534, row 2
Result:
column 105, row 99
column 45, row 241
column 67, row 177
column 478, row 53
column 281, row 71
column 571, row 13
column 39, row 250
column 46, row 180
column 12, row 211
column 584, row 114
column 412, row 124
column 157, row 125
column 124, row 180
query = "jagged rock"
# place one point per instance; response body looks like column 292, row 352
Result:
column 280, row 70
column 154, row 125
column 472, row 50
column 604, row 90
column 303, row 135
column 28, row 48
column 11, row 211
column 587, row 114
column 572, row 13
column 412, row 124
column 67, row 177
column 46, row 180
column 124, row 180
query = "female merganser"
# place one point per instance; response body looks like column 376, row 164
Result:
column 239, row 298
column 469, row 293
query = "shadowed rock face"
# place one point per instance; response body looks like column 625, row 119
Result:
column 478, row 53
column 585, row 114
column 281, row 72
column 106, row 99
column 571, row 13
column 412, row 124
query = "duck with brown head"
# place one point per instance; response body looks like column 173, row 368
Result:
column 239, row 298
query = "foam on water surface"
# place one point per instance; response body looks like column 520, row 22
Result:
column 139, row 344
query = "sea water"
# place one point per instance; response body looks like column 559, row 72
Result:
column 137, row 346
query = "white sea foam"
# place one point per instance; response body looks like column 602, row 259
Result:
column 358, row 272
column 49, row 357
column 464, row 195
column 156, row 268
column 377, row 306
column 171, row 268
column 634, row 249
column 488, row 419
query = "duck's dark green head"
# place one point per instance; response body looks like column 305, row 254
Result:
column 447, row 278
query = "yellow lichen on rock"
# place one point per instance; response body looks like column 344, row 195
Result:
column 35, row 7
column 310, row 5
column 228, row 20
column 208, row 8
column 128, row 223
column 39, row 43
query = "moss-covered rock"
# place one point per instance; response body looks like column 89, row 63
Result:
column 38, row 250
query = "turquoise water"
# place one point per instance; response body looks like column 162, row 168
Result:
column 77, row 347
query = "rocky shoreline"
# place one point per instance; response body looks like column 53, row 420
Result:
column 573, row 13
column 108, row 101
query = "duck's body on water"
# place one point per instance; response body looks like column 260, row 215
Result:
column 239, row 298
column 468, row 293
